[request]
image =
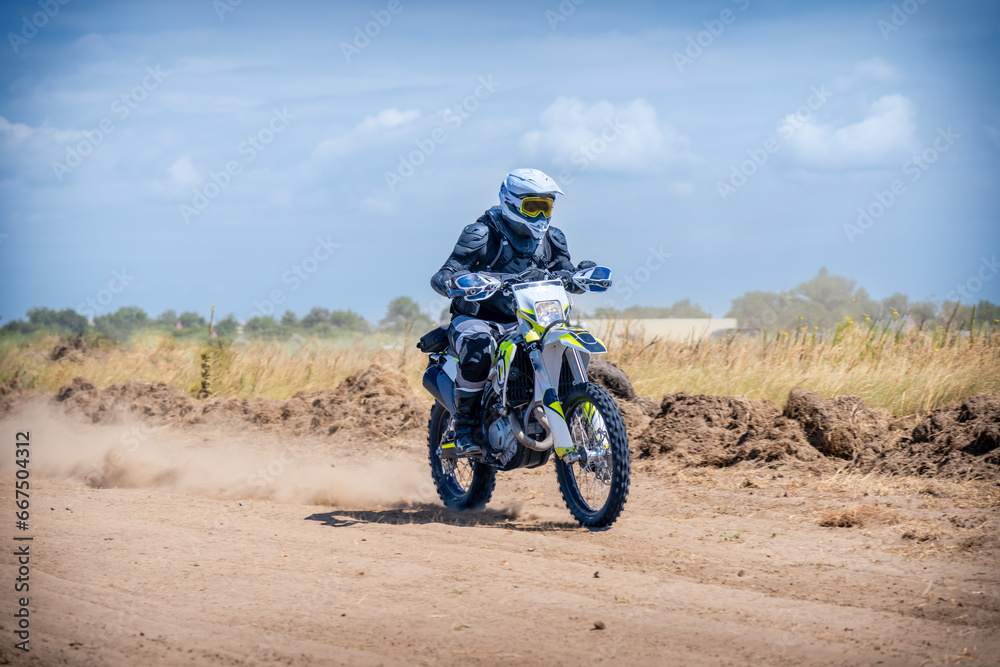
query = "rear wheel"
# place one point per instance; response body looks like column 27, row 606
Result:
column 596, row 487
column 462, row 484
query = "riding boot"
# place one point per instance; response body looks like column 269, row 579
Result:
column 466, row 434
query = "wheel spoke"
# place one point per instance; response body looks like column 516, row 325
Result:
column 461, row 470
column 590, row 434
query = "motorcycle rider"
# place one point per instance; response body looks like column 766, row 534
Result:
column 510, row 238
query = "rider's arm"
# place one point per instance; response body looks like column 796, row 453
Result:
column 560, row 251
column 561, row 261
column 467, row 253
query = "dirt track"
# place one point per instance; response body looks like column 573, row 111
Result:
column 166, row 545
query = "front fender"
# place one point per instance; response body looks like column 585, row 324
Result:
column 578, row 338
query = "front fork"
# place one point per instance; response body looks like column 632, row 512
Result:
column 547, row 399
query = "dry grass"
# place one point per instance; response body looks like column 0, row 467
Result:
column 903, row 373
column 974, row 493
column 920, row 531
column 861, row 516
column 268, row 370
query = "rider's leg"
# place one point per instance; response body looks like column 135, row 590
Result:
column 473, row 342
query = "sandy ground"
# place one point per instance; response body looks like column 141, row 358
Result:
column 158, row 547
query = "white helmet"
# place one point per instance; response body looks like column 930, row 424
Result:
column 526, row 197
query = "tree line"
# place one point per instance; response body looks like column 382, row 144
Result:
column 403, row 314
column 828, row 300
column 823, row 302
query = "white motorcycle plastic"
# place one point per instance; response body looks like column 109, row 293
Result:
column 537, row 401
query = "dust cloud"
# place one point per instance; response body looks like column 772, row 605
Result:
column 214, row 463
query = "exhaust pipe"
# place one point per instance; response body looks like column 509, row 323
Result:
column 521, row 435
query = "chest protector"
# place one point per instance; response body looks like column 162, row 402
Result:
column 517, row 255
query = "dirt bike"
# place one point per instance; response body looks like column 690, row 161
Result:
column 537, row 400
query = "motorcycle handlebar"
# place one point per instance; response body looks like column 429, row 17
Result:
column 507, row 279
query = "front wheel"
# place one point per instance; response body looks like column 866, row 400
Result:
column 595, row 488
column 462, row 484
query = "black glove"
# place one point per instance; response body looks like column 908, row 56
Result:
column 585, row 264
column 531, row 275
column 564, row 275
column 567, row 281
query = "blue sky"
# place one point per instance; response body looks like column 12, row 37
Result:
column 268, row 155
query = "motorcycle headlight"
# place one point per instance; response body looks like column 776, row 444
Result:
column 547, row 312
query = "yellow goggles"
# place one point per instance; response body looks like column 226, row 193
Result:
column 536, row 206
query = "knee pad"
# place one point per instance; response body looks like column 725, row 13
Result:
column 477, row 353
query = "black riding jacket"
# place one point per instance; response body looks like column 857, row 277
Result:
column 487, row 246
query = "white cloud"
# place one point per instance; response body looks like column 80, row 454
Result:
column 31, row 151
column 601, row 136
column 387, row 119
column 371, row 128
column 14, row 132
column 183, row 173
column 884, row 135
column 42, row 137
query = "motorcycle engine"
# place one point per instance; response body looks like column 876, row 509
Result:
column 502, row 441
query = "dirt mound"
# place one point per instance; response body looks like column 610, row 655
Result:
column 724, row 430
column 611, row 378
column 77, row 386
column 959, row 441
column 157, row 402
column 374, row 403
column 636, row 422
column 70, row 350
column 840, row 427
column 973, row 427
column 10, row 392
